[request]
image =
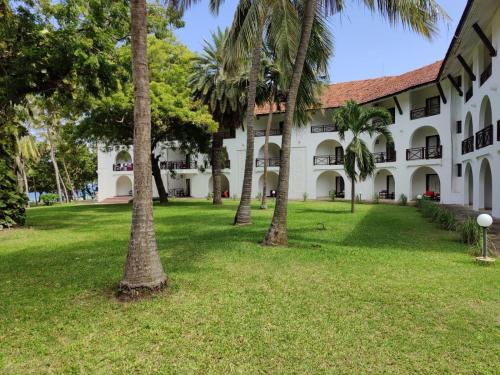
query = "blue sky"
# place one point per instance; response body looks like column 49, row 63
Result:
column 365, row 45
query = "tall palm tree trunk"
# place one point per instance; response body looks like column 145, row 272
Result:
column 263, row 204
column 65, row 191
column 217, row 141
column 143, row 268
column 243, row 214
column 56, row 168
column 353, row 193
column 277, row 233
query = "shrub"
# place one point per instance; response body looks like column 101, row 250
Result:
column 403, row 200
column 49, row 198
column 470, row 232
column 333, row 194
column 446, row 219
column 358, row 199
column 210, row 196
column 304, row 196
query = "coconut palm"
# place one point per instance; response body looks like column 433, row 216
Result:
column 358, row 120
column 418, row 15
column 143, row 268
column 223, row 93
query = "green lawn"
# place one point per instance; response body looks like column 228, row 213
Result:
column 381, row 291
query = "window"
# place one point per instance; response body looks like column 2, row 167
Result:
column 459, row 170
column 459, row 127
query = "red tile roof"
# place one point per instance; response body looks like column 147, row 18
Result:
column 368, row 90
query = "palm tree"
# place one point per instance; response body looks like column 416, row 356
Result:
column 224, row 95
column 143, row 268
column 358, row 120
column 419, row 15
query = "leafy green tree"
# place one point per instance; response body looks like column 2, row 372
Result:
column 358, row 120
column 175, row 116
column 419, row 15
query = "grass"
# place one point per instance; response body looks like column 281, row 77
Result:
column 381, row 291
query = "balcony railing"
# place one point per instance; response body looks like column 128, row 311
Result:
column 328, row 160
column 425, row 111
column 179, row 164
column 271, row 162
column 485, row 75
column 384, row 194
column 484, row 137
column 422, row 153
column 262, row 132
column 384, row 157
column 468, row 145
column 324, row 128
column 469, row 94
column 120, row 167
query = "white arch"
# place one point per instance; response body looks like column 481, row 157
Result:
column 271, row 182
column 327, row 147
column 123, row 186
column 380, row 143
column 485, row 185
column 468, row 185
column 330, row 181
column 419, row 135
column 468, row 126
column 425, row 180
column 485, row 114
column 274, row 151
column 226, row 192
column 123, row 157
column 384, row 184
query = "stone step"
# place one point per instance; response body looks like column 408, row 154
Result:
column 116, row 200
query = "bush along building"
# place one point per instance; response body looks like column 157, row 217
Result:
column 446, row 135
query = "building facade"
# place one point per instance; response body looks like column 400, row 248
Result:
column 446, row 133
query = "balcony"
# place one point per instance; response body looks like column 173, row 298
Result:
column 485, row 75
column 271, row 162
column 468, row 145
column 424, row 153
column 328, row 160
column 469, row 94
column 384, row 157
column 484, row 137
column 262, row 132
column 179, row 164
column 427, row 111
column 123, row 167
column 324, row 128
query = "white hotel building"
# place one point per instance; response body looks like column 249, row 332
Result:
column 446, row 134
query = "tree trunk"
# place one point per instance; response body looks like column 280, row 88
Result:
column 143, row 268
column 263, row 204
column 26, row 187
column 162, row 193
column 66, row 197
column 56, row 168
column 277, row 233
column 69, row 180
column 217, row 141
column 353, row 193
column 243, row 214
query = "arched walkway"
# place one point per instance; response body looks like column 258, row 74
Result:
column 123, row 186
column 329, row 152
column 384, row 185
column 226, row 193
column 271, row 183
column 123, row 157
column 328, row 182
column 425, row 143
column 383, row 151
column 274, row 156
column 469, row 185
column 425, row 181
column 485, row 116
column 485, row 186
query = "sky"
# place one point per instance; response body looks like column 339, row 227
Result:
column 366, row 46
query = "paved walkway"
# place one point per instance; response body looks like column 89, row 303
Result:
column 463, row 212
